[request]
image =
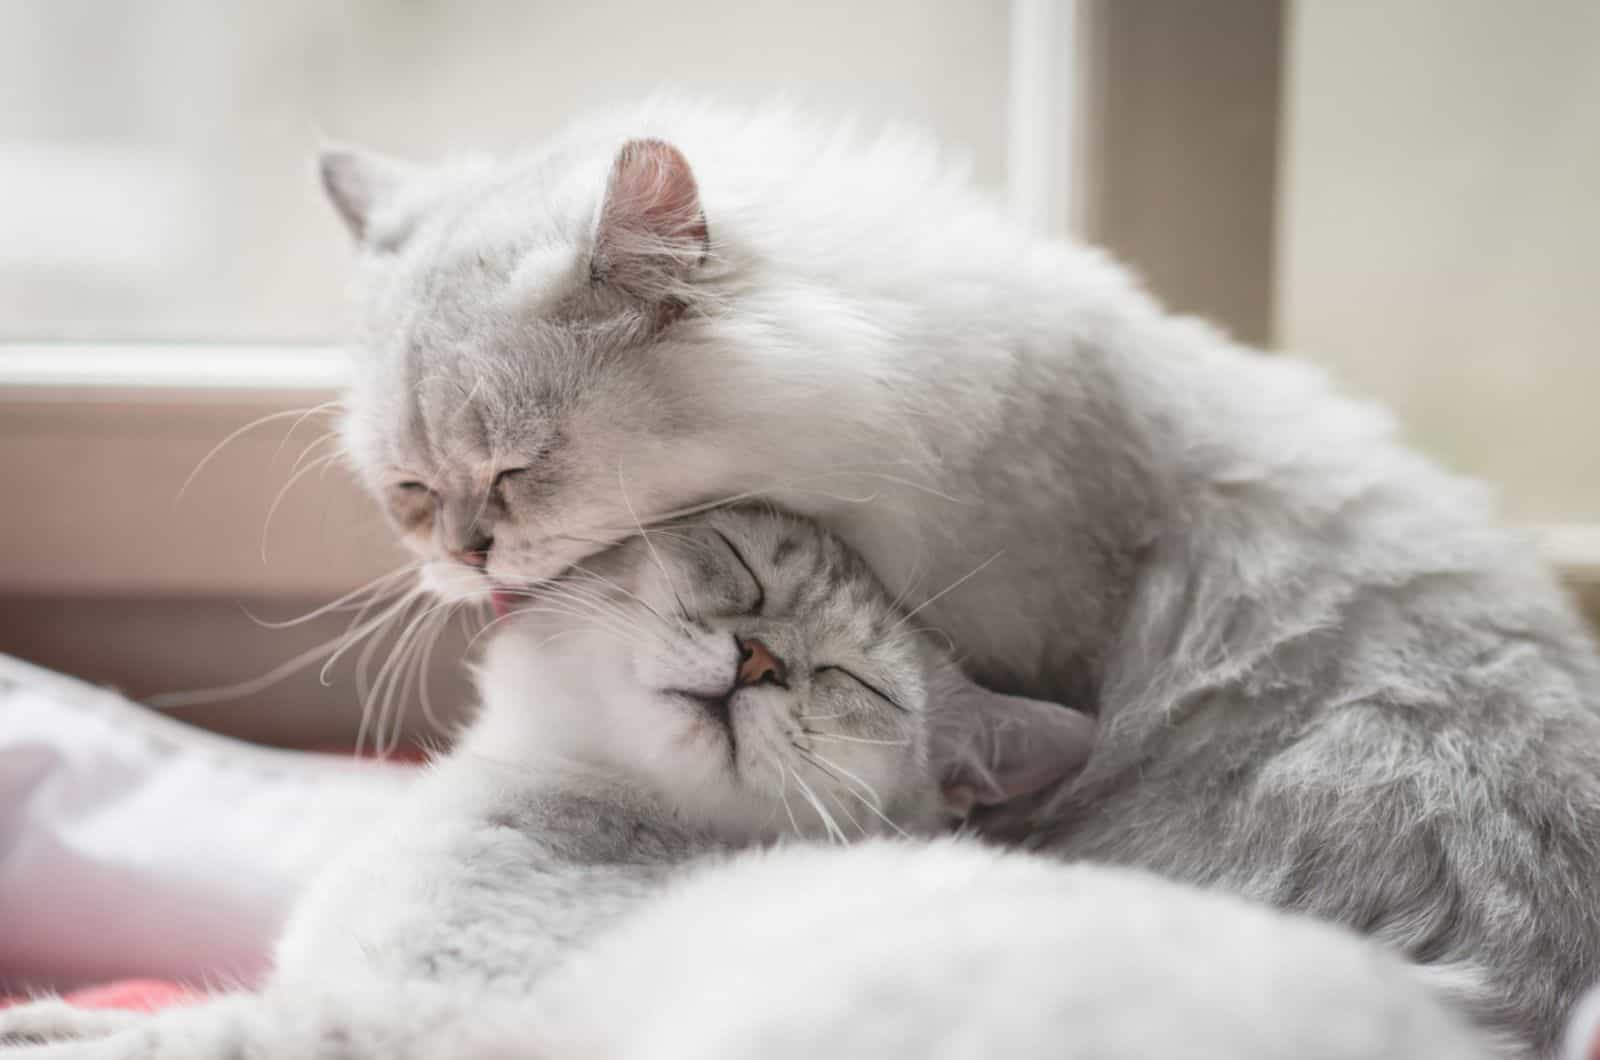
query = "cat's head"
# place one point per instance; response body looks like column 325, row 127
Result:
column 559, row 349
column 750, row 670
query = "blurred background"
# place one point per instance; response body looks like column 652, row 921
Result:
column 1403, row 190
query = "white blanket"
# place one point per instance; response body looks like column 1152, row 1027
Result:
column 135, row 845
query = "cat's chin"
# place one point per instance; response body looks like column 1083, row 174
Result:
column 507, row 590
column 453, row 582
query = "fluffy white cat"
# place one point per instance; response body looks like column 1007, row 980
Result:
column 1324, row 678
column 567, row 881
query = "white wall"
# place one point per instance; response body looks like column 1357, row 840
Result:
column 1439, row 229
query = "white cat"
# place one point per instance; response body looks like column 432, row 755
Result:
column 564, row 884
column 1324, row 679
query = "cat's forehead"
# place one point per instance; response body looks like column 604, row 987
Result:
column 469, row 246
column 476, row 232
column 810, row 573
column 439, row 409
column 458, row 339
column 455, row 377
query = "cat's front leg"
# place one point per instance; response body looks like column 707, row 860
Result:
column 54, row 1020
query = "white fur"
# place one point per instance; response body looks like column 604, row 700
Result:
column 859, row 351
column 873, row 346
column 1180, row 530
column 561, row 884
column 951, row 950
column 945, row 950
column 1323, row 677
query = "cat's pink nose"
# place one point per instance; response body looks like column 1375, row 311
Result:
column 757, row 664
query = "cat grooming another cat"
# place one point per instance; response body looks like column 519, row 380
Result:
column 592, row 870
column 1323, row 677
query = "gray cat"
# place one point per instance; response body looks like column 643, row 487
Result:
column 1324, row 678
column 566, row 882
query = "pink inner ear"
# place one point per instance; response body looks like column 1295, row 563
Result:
column 1009, row 746
column 652, row 192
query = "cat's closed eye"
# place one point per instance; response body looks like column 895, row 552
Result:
column 502, row 476
column 827, row 668
column 761, row 590
column 411, row 503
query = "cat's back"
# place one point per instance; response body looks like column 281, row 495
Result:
column 954, row 950
column 1344, row 689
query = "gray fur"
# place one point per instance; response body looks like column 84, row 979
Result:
column 1325, row 678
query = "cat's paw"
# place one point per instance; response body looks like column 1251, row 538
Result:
column 43, row 1022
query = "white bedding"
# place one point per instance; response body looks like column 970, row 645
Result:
column 135, row 845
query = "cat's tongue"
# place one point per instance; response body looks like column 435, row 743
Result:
column 504, row 602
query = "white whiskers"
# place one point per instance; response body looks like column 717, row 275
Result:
column 952, row 587
column 300, row 415
column 835, row 833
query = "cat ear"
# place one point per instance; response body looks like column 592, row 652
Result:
column 992, row 748
column 1582, row 1040
column 651, row 233
column 358, row 183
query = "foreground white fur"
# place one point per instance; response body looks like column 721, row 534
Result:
column 951, row 951
column 886, row 949
column 955, row 951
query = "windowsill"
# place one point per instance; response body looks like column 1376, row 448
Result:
column 131, row 474
column 244, row 374
column 200, row 393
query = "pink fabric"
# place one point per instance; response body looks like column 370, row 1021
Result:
column 135, row 995
column 135, row 849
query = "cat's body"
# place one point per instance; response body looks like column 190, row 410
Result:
column 945, row 950
column 1324, row 678
column 565, row 881
column 952, row 950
